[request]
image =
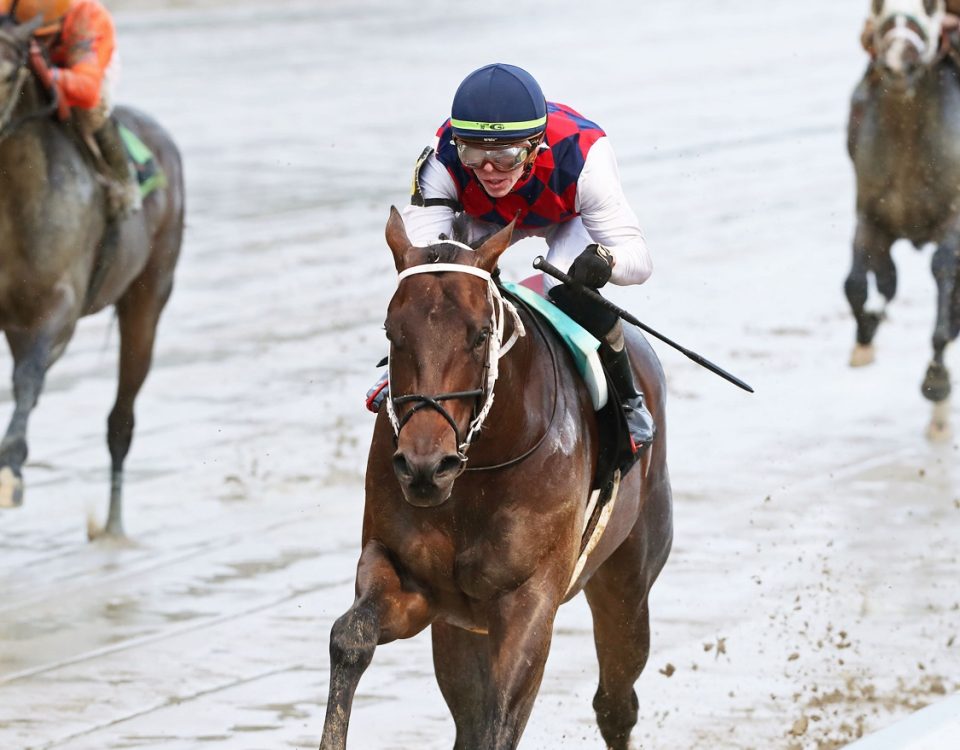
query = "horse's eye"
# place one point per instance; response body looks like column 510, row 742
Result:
column 481, row 338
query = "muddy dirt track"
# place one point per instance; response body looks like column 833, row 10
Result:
column 812, row 591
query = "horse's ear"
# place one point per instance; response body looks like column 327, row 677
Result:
column 397, row 238
column 490, row 251
column 22, row 32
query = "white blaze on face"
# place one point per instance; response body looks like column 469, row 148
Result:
column 907, row 32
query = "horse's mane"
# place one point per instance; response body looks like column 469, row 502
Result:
column 461, row 231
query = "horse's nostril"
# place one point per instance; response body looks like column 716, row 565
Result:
column 402, row 467
column 449, row 465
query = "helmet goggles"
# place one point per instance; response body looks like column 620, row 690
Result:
column 501, row 158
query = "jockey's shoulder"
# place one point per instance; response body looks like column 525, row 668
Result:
column 90, row 10
column 87, row 19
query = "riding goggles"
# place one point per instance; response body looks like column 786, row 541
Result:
column 502, row 158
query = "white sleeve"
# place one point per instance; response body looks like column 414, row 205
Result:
column 425, row 223
column 608, row 218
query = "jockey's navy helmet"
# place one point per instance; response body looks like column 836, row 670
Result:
column 498, row 103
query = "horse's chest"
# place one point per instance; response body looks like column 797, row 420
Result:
column 510, row 549
column 909, row 182
column 480, row 559
column 487, row 569
column 911, row 203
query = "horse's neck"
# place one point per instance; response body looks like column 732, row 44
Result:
column 42, row 171
column 519, row 367
column 28, row 136
column 31, row 98
column 38, row 141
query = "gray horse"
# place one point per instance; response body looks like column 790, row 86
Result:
column 61, row 259
column 904, row 139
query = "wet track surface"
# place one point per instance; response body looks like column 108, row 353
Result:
column 811, row 594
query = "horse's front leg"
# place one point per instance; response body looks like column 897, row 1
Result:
column 936, row 381
column 33, row 350
column 383, row 611
column 870, row 285
column 945, row 266
column 521, row 629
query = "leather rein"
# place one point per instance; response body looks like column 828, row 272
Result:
column 18, row 79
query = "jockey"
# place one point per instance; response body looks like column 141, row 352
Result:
column 507, row 152
column 80, row 42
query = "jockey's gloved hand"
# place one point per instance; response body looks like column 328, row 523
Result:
column 593, row 266
column 40, row 65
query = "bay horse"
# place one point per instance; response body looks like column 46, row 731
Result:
column 904, row 140
column 485, row 551
column 61, row 259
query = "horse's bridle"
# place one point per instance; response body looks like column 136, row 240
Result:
column 908, row 27
column 18, row 77
column 496, row 349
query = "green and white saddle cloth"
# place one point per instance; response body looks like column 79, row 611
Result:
column 581, row 343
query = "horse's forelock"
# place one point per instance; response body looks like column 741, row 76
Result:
column 443, row 252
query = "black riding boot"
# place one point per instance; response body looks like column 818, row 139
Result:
column 597, row 319
column 640, row 423
column 124, row 193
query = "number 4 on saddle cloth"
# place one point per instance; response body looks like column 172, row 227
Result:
column 616, row 451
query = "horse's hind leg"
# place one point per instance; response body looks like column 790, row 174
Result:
column 872, row 271
column 461, row 660
column 138, row 312
column 617, row 595
column 383, row 611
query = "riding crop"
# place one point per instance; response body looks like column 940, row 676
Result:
column 541, row 265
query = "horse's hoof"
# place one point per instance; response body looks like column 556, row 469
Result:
column 862, row 355
column 936, row 383
column 110, row 538
column 11, row 489
column 939, row 429
column 867, row 325
column 110, row 534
